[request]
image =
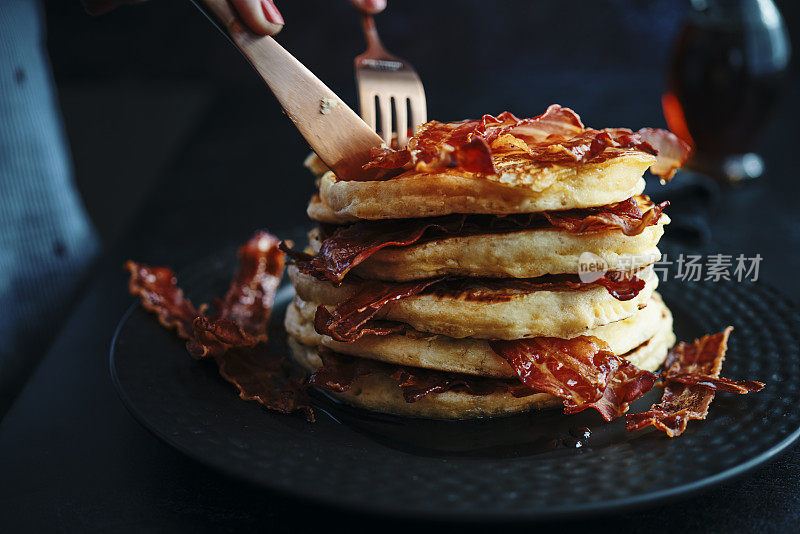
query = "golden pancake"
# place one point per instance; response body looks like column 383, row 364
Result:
column 379, row 393
column 521, row 187
column 483, row 312
column 468, row 356
column 519, row 254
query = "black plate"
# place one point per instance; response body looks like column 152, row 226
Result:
column 524, row 466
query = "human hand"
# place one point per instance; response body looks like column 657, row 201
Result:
column 370, row 7
column 261, row 16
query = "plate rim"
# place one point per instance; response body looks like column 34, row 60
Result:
column 662, row 496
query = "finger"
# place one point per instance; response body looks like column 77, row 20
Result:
column 261, row 16
column 373, row 7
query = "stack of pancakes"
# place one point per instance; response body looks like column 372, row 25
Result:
column 501, row 271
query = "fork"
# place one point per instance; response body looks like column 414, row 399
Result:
column 394, row 83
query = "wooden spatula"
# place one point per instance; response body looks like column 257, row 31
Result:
column 334, row 131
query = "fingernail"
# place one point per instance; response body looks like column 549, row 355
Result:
column 271, row 12
column 375, row 6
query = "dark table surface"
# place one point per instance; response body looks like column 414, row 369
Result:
column 72, row 459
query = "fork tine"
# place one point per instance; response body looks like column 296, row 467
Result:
column 385, row 106
column 419, row 110
column 366, row 100
column 401, row 120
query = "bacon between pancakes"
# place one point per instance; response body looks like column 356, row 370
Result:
column 348, row 246
column 339, row 372
column 582, row 371
column 351, row 318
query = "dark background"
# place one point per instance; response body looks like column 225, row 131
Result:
column 179, row 150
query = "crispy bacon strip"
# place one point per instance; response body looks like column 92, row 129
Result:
column 557, row 136
column 628, row 384
column 627, row 216
column 416, row 383
column 242, row 317
column 352, row 245
column 672, row 152
column 213, row 338
column 158, row 291
column 272, row 381
column 577, row 371
column 388, row 158
column 555, row 123
column 620, row 285
column 692, row 379
column 351, row 319
column 716, row 383
column 348, row 246
column 233, row 336
column 437, row 144
column 338, row 371
column 248, row 302
column 473, row 156
column 347, row 321
column 583, row 371
column 466, row 144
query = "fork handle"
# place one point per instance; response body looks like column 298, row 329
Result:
column 333, row 130
column 374, row 44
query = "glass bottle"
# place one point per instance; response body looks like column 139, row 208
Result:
column 723, row 83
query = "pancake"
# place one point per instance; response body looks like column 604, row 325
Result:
column 468, row 356
column 492, row 313
column 315, row 165
column 518, row 254
column 522, row 186
column 379, row 393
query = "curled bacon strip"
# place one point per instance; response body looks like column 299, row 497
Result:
column 248, row 302
column 557, row 136
column 692, row 379
column 672, row 152
column 349, row 246
column 234, row 335
column 241, row 318
column 583, row 371
column 628, row 216
column 555, row 123
column 158, row 291
column 348, row 321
